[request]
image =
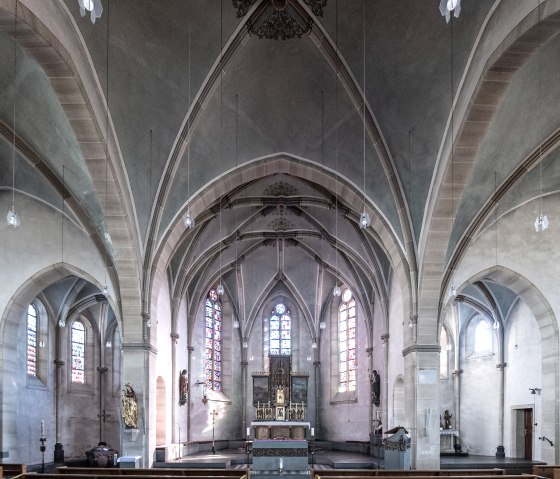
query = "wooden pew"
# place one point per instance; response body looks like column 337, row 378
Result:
column 11, row 470
column 364, row 474
column 546, row 471
column 162, row 471
column 196, row 474
column 411, row 473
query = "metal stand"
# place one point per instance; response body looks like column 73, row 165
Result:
column 43, row 448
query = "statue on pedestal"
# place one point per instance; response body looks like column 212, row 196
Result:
column 375, row 388
column 447, row 419
column 130, row 407
column 183, row 388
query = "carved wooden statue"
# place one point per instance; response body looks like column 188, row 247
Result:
column 183, row 388
column 130, row 407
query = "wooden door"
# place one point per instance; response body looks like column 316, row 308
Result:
column 528, row 426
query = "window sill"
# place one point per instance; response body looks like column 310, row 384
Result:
column 345, row 398
column 217, row 396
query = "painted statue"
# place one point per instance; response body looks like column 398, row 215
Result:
column 375, row 388
column 183, row 388
column 130, row 407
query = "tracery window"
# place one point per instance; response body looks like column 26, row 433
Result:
column 213, row 341
column 32, row 340
column 280, row 325
column 78, row 342
column 482, row 337
column 347, row 343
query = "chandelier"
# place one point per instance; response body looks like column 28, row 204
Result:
column 279, row 19
column 93, row 6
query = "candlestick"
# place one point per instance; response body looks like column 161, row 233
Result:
column 42, row 427
column 248, row 431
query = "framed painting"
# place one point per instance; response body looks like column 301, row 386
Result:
column 280, row 413
column 299, row 389
column 260, row 390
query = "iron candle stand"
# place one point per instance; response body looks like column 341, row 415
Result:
column 43, row 448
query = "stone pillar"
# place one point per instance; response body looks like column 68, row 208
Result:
column 457, row 397
column 317, row 372
column 385, row 388
column 500, row 452
column 244, row 365
column 58, row 448
column 190, row 350
column 422, row 403
column 138, row 365
column 174, row 391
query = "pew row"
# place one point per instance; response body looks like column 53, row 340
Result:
column 410, row 473
column 196, row 474
column 364, row 475
column 162, row 471
column 11, row 470
column 550, row 471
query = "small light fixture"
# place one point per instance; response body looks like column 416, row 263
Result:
column 220, row 289
column 314, row 345
column 309, row 358
column 322, row 325
column 236, row 324
column 108, row 344
column 93, row 6
column 188, row 219
column 12, row 218
column 245, row 344
column 448, row 347
column 252, row 358
column 410, row 324
column 337, row 291
column 453, row 291
column 105, row 290
column 448, row 6
column 42, row 344
column 496, row 325
column 148, row 323
column 365, row 220
column 61, row 322
column 541, row 223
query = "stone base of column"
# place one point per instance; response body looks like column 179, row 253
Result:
column 58, row 453
column 500, row 451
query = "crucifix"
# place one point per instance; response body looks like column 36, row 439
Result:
column 214, row 414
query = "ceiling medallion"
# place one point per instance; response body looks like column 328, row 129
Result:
column 280, row 188
column 279, row 19
column 280, row 224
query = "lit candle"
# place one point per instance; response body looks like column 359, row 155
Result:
column 248, row 431
column 312, row 431
column 42, row 427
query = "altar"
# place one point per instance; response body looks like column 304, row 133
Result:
column 279, row 429
column 287, row 458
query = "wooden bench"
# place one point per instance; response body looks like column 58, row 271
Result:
column 410, row 473
column 196, row 474
column 162, row 471
column 547, row 471
column 367, row 474
column 11, row 470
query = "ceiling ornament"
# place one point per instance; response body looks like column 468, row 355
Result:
column 280, row 224
column 93, row 6
column 279, row 19
column 280, row 188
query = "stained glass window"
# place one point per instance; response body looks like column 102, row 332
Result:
column 78, row 340
column 347, row 343
column 213, row 342
column 280, row 328
column 32, row 340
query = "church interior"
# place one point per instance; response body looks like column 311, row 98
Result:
column 279, row 219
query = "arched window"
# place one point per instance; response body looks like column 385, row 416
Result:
column 347, row 343
column 78, row 340
column 482, row 337
column 31, row 340
column 280, row 330
column 213, row 341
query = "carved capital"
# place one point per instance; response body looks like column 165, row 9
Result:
column 317, row 363
column 102, row 369
column 457, row 372
column 174, row 337
column 385, row 338
column 58, row 363
column 501, row 366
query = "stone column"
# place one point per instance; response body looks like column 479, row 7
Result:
column 244, row 365
column 174, row 392
column 138, row 365
column 422, row 403
column 500, row 452
column 58, row 448
column 190, row 350
column 385, row 388
column 457, row 397
column 317, row 372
